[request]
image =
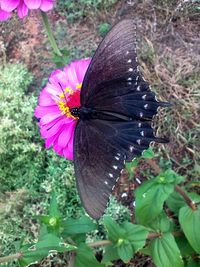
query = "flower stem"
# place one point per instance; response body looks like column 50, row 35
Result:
column 11, row 257
column 178, row 189
column 99, row 243
column 50, row 34
column 188, row 200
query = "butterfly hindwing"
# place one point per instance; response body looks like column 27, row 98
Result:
column 97, row 167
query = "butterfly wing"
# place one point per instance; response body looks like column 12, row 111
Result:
column 112, row 84
column 97, row 167
column 101, row 148
column 110, row 60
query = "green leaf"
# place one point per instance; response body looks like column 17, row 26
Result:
column 60, row 61
column 175, row 201
column 85, row 257
column 125, row 251
column 146, row 251
column 103, row 28
column 150, row 198
column 161, row 223
column 165, row 252
column 136, row 235
column 78, row 226
column 53, row 210
column 130, row 166
column 148, row 154
column 193, row 263
column 189, row 221
column 40, row 250
column 171, row 177
column 194, row 196
column 110, row 254
column 184, row 246
column 115, row 232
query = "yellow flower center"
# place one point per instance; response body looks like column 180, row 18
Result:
column 65, row 99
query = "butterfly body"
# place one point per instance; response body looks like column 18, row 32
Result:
column 114, row 120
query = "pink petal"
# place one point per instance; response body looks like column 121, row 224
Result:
column 81, row 68
column 22, row 10
column 65, row 136
column 59, row 78
column 71, row 75
column 68, row 154
column 40, row 111
column 33, row 4
column 58, row 150
column 53, row 129
column 53, row 90
column 45, row 99
column 9, row 5
column 46, row 5
column 49, row 118
column 4, row 15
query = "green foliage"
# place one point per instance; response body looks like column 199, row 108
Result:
column 165, row 251
column 103, row 29
column 21, row 156
column 131, row 166
column 85, row 257
column 152, row 195
column 63, row 60
column 189, row 220
column 79, row 9
column 64, row 228
column 126, row 239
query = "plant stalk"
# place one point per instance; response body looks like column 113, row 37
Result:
column 188, row 200
column 91, row 245
column 11, row 257
column 50, row 34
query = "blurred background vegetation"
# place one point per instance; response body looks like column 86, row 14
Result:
column 169, row 54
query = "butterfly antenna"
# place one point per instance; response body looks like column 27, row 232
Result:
column 62, row 91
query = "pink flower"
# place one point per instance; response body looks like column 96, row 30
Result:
column 61, row 93
column 4, row 15
column 22, row 7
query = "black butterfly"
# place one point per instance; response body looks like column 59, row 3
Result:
column 117, row 107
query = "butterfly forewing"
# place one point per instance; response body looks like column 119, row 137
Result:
column 115, row 54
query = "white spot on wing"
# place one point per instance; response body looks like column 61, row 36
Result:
column 144, row 97
column 130, row 69
column 117, row 158
column 105, row 182
column 138, row 88
column 115, row 167
column 130, row 60
column 138, row 180
column 139, row 141
column 124, row 195
column 111, row 175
